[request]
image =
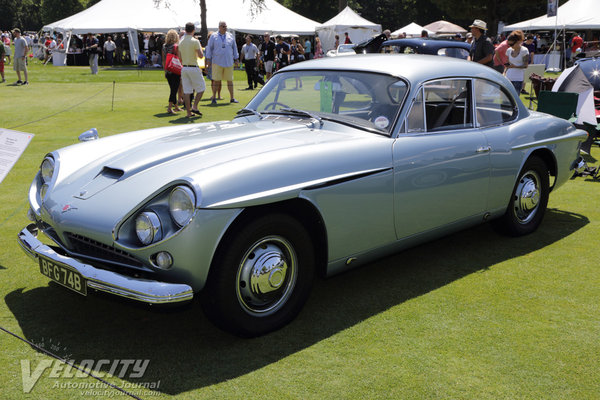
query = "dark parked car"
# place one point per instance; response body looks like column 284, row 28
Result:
column 440, row 47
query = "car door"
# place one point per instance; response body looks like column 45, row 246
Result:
column 441, row 161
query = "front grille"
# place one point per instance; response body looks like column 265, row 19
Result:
column 89, row 248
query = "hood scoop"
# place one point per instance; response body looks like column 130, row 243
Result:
column 104, row 179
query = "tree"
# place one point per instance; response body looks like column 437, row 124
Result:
column 54, row 10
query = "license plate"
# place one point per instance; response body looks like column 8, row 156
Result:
column 63, row 275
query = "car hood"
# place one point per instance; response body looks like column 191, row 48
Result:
column 229, row 164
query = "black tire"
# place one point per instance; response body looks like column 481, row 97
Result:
column 528, row 201
column 261, row 276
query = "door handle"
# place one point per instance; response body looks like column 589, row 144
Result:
column 484, row 149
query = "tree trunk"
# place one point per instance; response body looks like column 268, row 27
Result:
column 203, row 27
column 342, row 4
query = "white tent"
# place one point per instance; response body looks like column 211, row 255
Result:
column 358, row 28
column 412, row 30
column 574, row 14
column 131, row 16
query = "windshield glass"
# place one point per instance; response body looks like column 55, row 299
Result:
column 361, row 99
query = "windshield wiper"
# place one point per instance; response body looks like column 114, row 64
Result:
column 245, row 111
column 315, row 118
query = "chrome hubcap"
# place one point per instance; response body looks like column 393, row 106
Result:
column 266, row 275
column 527, row 197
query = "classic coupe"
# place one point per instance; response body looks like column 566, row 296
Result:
column 334, row 163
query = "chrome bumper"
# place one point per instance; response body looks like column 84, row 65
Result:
column 143, row 290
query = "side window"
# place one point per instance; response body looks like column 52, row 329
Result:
column 415, row 121
column 456, row 52
column 493, row 106
column 448, row 105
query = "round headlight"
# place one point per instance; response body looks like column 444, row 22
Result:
column 182, row 204
column 147, row 228
column 47, row 169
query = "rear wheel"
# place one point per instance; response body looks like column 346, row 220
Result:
column 261, row 276
column 529, row 200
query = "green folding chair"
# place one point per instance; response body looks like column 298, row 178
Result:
column 559, row 104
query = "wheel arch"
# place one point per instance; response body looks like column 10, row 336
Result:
column 300, row 209
column 547, row 156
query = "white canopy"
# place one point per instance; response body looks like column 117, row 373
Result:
column 109, row 16
column 358, row 28
column 412, row 30
column 574, row 14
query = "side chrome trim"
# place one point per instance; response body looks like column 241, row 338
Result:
column 144, row 290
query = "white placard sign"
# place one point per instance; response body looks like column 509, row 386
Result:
column 12, row 145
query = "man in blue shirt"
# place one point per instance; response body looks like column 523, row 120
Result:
column 221, row 55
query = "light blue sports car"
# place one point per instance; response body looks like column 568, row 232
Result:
column 334, row 163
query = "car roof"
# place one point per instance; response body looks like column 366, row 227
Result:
column 427, row 42
column 414, row 67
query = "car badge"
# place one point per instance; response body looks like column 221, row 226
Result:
column 66, row 208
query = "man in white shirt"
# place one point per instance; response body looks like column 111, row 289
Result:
column 109, row 50
column 248, row 57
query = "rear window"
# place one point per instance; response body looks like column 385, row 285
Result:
column 493, row 105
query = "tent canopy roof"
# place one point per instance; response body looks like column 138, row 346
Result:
column 347, row 17
column 442, row 26
column 412, row 29
column 574, row 14
column 109, row 16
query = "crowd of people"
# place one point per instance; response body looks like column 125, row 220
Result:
column 261, row 56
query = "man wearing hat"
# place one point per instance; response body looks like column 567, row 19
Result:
column 482, row 50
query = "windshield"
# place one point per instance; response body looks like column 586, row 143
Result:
column 360, row 99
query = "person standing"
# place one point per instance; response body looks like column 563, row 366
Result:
column 337, row 42
column 109, row 49
column 500, row 58
column 307, row 49
column 282, row 49
column 91, row 46
column 268, row 54
column 221, row 55
column 347, row 38
column 20, row 59
column 2, row 53
column 482, row 50
column 531, row 46
column 248, row 57
column 174, row 80
column 576, row 45
column 189, row 51
column 318, row 48
column 518, row 59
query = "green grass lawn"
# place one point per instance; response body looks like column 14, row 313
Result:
column 475, row 315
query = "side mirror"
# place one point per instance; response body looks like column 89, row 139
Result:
column 91, row 134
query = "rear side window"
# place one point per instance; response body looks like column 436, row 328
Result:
column 493, row 105
column 441, row 106
column 456, row 52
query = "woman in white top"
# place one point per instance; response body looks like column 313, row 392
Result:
column 518, row 59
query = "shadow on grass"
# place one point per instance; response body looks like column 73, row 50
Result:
column 186, row 352
column 183, row 119
column 2, row 266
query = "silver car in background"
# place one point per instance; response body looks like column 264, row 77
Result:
column 334, row 163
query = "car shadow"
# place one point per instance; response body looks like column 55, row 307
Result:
column 186, row 352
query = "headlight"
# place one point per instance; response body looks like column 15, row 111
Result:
column 182, row 204
column 147, row 228
column 47, row 169
column 43, row 191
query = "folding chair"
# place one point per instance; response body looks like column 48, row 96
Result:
column 538, row 69
column 559, row 104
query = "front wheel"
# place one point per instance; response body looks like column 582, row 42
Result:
column 261, row 276
column 528, row 201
